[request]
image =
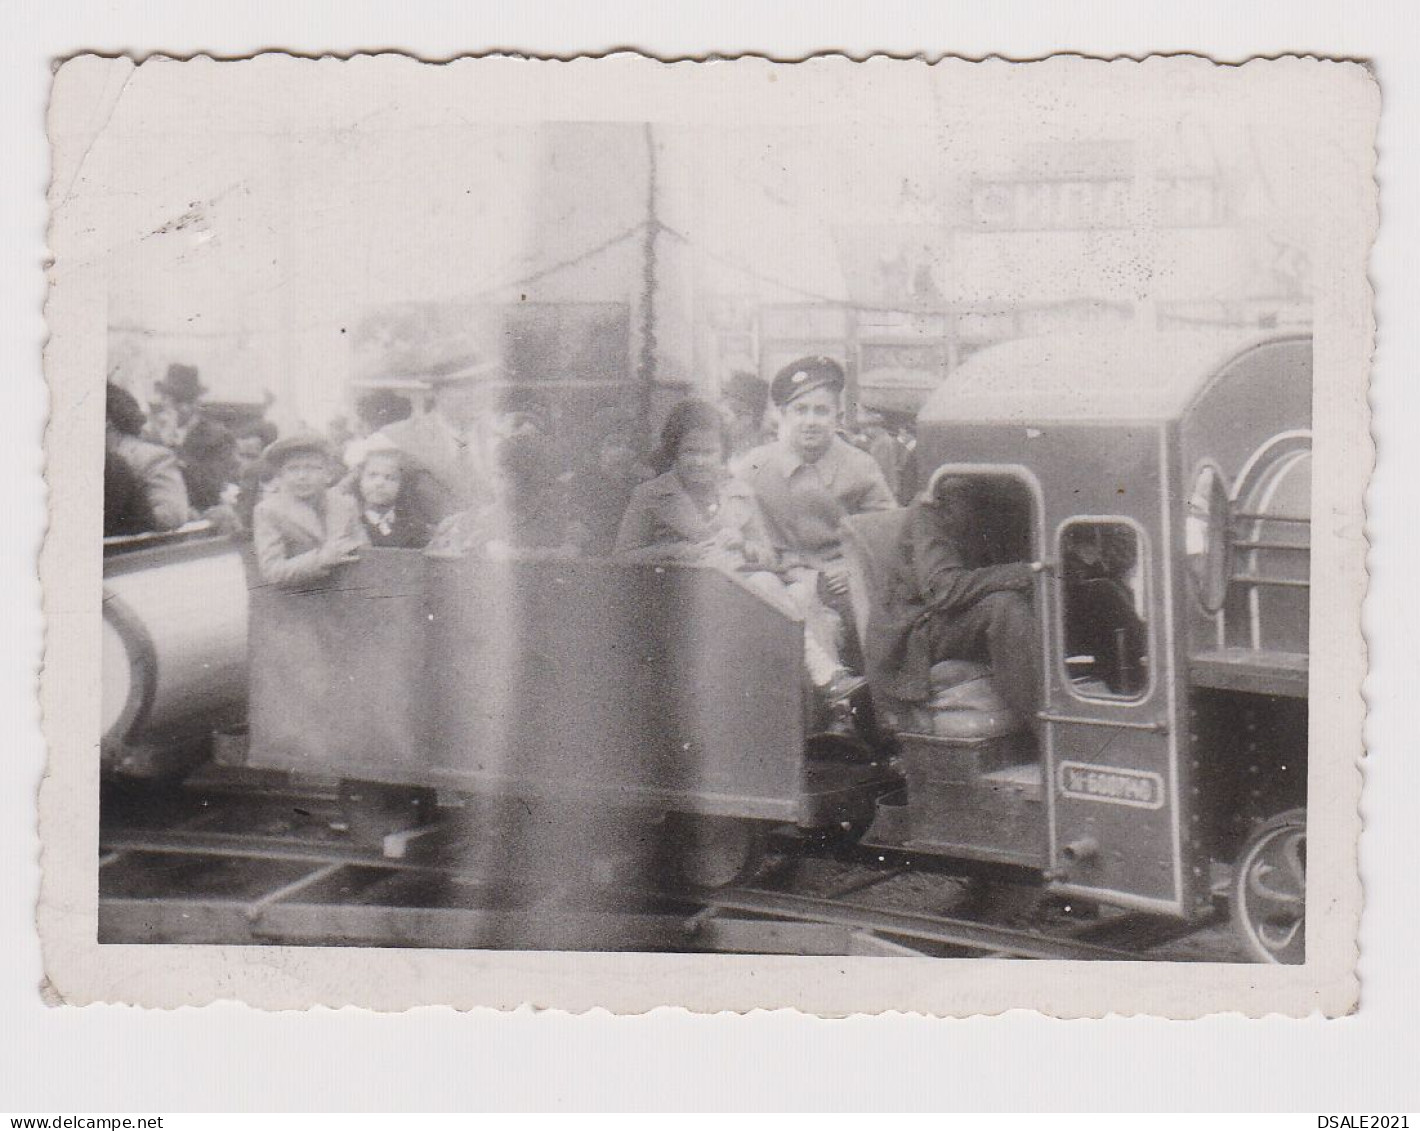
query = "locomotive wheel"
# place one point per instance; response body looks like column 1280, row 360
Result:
column 714, row 852
column 1269, row 891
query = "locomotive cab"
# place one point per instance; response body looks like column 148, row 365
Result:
column 971, row 765
column 1170, row 481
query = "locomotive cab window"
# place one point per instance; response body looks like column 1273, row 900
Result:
column 1104, row 609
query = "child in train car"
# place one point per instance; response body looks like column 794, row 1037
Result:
column 696, row 512
column 388, row 513
column 303, row 529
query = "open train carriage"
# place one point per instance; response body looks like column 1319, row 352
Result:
column 650, row 696
column 1165, row 480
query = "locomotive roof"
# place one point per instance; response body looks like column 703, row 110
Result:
column 1105, row 376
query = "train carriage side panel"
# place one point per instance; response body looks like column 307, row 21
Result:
column 655, row 687
column 339, row 673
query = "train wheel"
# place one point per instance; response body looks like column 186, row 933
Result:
column 1269, row 892
column 714, row 852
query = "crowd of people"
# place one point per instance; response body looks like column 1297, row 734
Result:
column 758, row 485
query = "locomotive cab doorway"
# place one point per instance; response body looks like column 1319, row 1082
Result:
column 975, row 774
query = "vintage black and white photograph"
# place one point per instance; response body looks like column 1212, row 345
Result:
column 848, row 511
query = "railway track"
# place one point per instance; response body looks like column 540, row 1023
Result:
column 276, row 868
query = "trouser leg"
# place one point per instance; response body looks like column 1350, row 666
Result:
column 841, row 606
column 999, row 630
column 821, row 626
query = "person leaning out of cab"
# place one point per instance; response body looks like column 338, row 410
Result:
column 696, row 512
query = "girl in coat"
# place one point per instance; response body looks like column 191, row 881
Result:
column 380, row 488
column 695, row 512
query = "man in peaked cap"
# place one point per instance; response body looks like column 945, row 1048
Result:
column 449, row 450
column 809, row 480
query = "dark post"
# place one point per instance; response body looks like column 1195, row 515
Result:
column 646, row 368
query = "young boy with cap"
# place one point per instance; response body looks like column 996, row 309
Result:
column 303, row 529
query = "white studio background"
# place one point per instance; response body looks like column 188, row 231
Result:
column 230, row 1058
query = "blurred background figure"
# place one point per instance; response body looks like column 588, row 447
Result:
column 449, row 451
column 376, row 410
column 743, row 401
column 250, row 440
column 531, row 514
column 126, row 507
column 174, row 406
column 602, row 486
column 204, row 448
column 910, row 475
column 143, row 485
column 209, row 465
column 879, row 442
column 339, row 433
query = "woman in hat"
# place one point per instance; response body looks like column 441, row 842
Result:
column 303, row 529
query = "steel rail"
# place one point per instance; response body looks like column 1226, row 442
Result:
column 963, row 933
column 928, row 928
column 255, row 847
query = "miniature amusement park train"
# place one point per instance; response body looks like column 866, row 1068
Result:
column 1168, row 765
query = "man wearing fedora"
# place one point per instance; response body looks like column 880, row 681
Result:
column 175, row 405
column 810, row 479
column 206, row 450
column 449, row 450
